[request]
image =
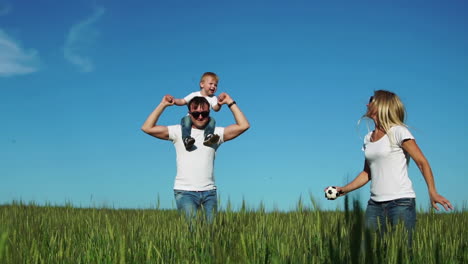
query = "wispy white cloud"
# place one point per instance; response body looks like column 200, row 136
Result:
column 5, row 8
column 80, row 39
column 14, row 60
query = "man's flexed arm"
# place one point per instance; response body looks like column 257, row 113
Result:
column 241, row 124
column 151, row 127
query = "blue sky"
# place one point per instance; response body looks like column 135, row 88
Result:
column 78, row 79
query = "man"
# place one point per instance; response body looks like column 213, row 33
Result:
column 194, row 186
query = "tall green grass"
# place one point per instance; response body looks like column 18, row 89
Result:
column 48, row 234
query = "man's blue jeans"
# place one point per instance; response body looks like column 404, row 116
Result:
column 391, row 212
column 190, row 202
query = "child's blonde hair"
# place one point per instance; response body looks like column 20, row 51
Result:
column 209, row 74
column 390, row 109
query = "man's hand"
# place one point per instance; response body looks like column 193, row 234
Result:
column 168, row 100
column 224, row 98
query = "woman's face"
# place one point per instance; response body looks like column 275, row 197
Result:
column 371, row 109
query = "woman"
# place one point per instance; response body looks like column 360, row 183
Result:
column 387, row 150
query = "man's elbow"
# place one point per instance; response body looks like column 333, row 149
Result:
column 145, row 129
column 245, row 127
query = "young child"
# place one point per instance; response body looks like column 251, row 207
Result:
column 208, row 87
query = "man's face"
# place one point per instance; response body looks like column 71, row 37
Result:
column 209, row 85
column 200, row 115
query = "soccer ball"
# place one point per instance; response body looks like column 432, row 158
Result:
column 331, row 193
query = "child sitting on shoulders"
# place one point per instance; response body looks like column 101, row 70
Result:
column 208, row 87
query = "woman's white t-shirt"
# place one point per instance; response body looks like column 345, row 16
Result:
column 388, row 164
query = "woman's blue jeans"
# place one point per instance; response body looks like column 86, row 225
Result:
column 190, row 202
column 380, row 214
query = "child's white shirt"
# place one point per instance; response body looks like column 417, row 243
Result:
column 213, row 100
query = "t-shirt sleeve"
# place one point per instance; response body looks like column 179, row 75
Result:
column 401, row 134
column 189, row 97
column 173, row 130
column 220, row 131
column 214, row 101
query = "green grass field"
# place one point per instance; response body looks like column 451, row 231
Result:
column 49, row 234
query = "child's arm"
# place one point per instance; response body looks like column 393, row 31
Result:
column 216, row 107
column 180, row 102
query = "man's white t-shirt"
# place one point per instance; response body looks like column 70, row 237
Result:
column 388, row 164
column 213, row 100
column 195, row 168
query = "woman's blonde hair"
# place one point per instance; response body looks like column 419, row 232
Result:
column 390, row 109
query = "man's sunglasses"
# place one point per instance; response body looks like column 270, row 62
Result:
column 196, row 114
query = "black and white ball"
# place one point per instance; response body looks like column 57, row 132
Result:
column 331, row 193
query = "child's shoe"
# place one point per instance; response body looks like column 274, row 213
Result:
column 188, row 142
column 211, row 139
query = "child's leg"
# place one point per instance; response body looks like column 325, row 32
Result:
column 210, row 127
column 186, row 124
column 210, row 137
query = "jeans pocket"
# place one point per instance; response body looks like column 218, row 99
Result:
column 178, row 194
